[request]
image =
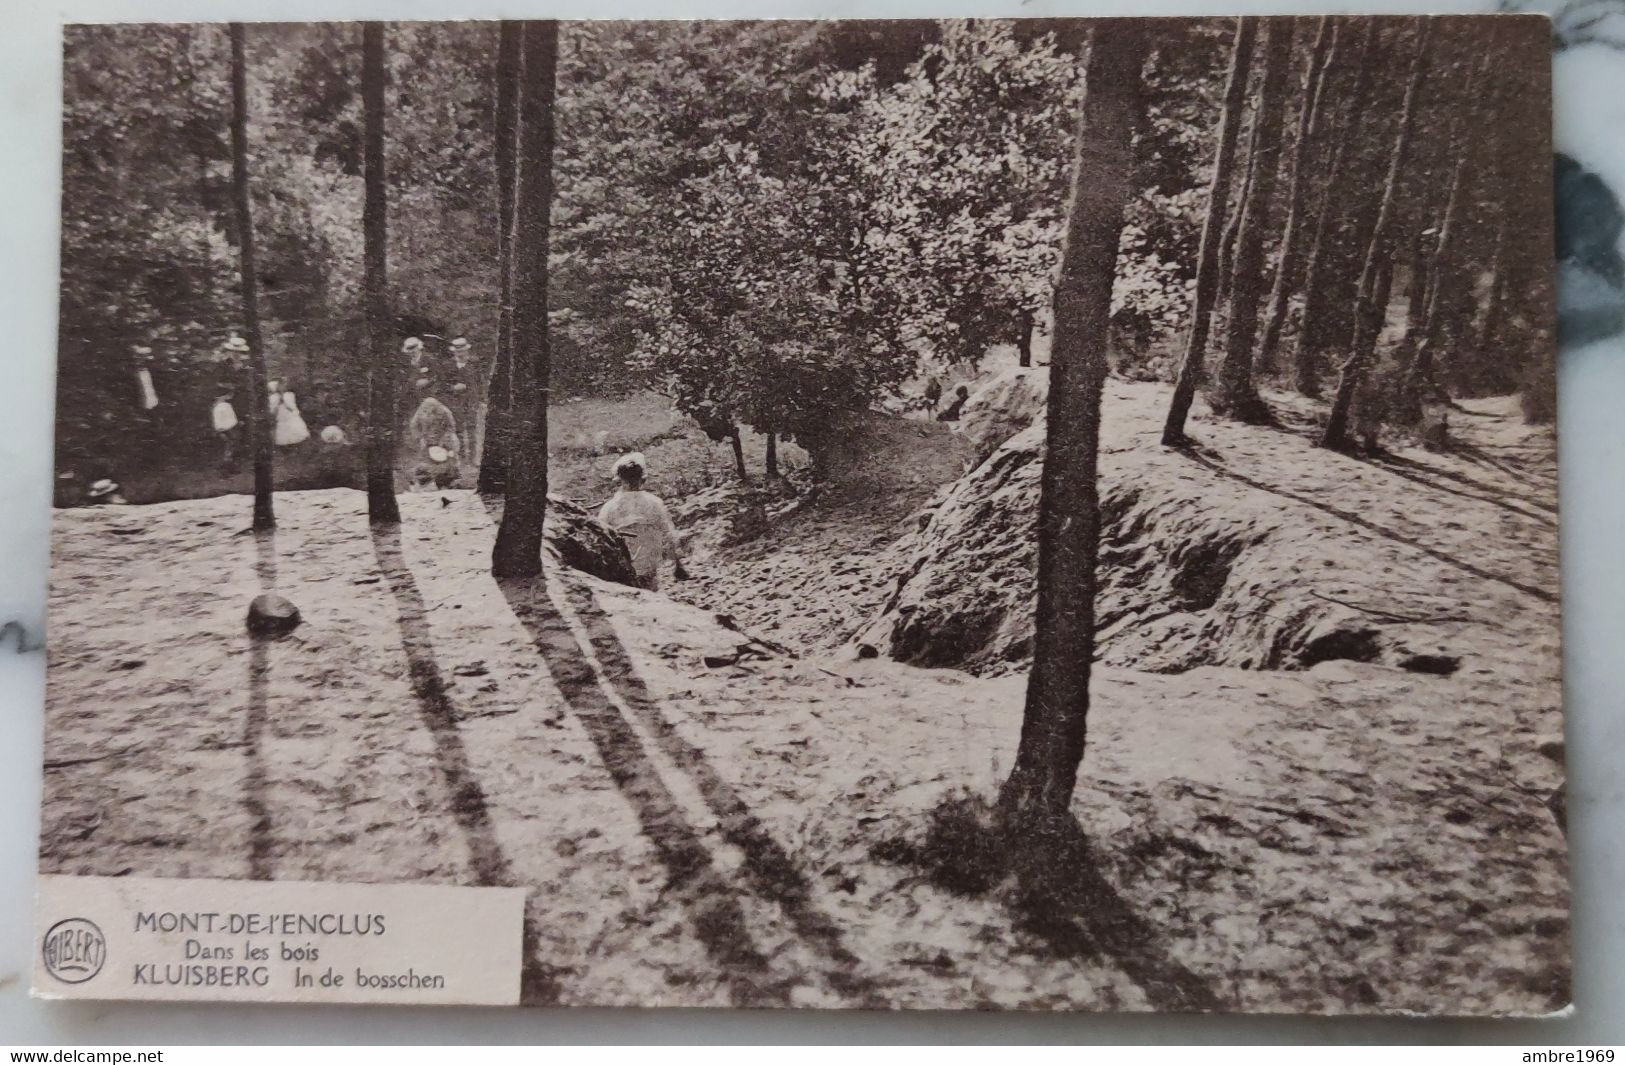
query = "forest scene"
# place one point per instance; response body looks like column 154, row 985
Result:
column 970, row 514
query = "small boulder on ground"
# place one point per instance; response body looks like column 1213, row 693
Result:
column 272, row 615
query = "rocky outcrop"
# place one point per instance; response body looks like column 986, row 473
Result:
column 965, row 596
column 576, row 539
column 1003, row 407
column 1190, row 575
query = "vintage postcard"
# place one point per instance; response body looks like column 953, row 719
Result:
column 977, row 514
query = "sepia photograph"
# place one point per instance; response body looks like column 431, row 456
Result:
column 976, row 514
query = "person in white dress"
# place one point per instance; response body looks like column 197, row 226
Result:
column 231, row 368
column 643, row 520
column 290, row 424
column 143, row 377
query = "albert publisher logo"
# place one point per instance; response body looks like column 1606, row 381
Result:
column 74, row 950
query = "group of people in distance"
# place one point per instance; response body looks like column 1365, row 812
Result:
column 444, row 397
column 288, row 428
column 442, row 430
column 444, row 392
column 931, row 395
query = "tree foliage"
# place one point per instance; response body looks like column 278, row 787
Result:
column 774, row 221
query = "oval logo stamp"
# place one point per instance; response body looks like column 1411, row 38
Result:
column 74, row 950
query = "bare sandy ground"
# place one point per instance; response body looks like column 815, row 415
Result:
column 697, row 820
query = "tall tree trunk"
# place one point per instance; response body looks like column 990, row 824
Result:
column 1368, row 315
column 259, row 418
column 1373, row 399
column 382, row 417
column 497, row 444
column 1306, row 361
column 772, row 463
column 1292, row 250
column 518, row 548
column 1495, row 303
column 738, row 445
column 1416, row 281
column 1426, row 305
column 1416, row 285
column 1237, row 394
column 1055, row 717
column 1024, row 338
column 1232, row 225
column 1190, row 371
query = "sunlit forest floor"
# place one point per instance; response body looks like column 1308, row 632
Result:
column 704, row 820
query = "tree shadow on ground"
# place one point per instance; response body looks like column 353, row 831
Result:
column 1295, row 424
column 1483, row 457
column 261, row 841
column 770, row 870
column 1355, row 519
column 1433, row 477
column 1051, row 881
column 713, row 906
column 490, row 866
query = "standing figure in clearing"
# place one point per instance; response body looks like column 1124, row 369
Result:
column 436, row 447
column 232, row 367
column 643, row 520
column 461, row 385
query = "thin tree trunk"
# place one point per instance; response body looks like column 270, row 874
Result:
column 772, row 454
column 738, row 445
column 499, row 390
column 1024, row 339
column 1039, row 789
column 382, row 417
column 1232, row 226
column 1368, row 316
column 1429, row 254
column 518, row 548
column 1237, row 393
column 1292, row 251
column 259, row 418
column 1490, row 324
column 1306, row 366
column 1190, row 371
column 1416, row 286
column 1373, row 399
column 1416, row 258
column 1426, row 310
column 206, row 265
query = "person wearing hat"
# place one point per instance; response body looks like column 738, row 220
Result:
column 418, row 359
column 104, row 491
column 223, row 414
column 459, row 387
column 643, row 521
